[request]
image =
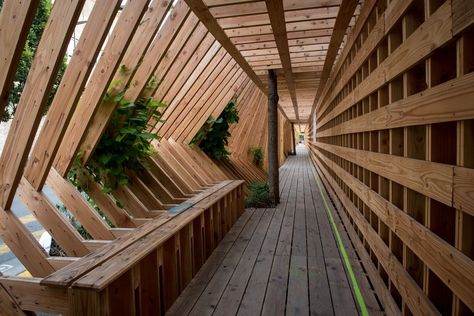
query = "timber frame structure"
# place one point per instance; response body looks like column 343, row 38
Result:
column 385, row 89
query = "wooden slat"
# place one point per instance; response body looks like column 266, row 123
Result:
column 69, row 91
column 24, row 245
column 15, row 21
column 463, row 15
column 98, row 83
column 456, row 269
column 32, row 296
column 277, row 15
column 346, row 11
column 201, row 10
column 77, row 269
column 46, row 213
column 442, row 103
column 49, row 55
column 432, row 179
column 7, row 305
column 79, row 207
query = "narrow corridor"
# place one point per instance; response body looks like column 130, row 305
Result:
column 281, row 261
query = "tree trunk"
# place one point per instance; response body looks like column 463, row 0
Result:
column 273, row 176
column 294, row 137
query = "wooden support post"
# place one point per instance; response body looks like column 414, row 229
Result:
column 273, row 137
column 293, row 137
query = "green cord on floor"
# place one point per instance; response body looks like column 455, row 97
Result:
column 355, row 285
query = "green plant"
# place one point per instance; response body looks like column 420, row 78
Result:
column 257, row 155
column 34, row 36
column 258, row 195
column 213, row 136
column 75, row 223
column 124, row 146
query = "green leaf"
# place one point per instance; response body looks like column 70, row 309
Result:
column 156, row 104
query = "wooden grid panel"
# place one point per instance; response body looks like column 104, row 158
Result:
column 394, row 140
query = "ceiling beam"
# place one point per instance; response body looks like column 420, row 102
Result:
column 206, row 18
column 344, row 16
column 277, row 20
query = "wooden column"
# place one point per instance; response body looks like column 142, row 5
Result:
column 273, row 137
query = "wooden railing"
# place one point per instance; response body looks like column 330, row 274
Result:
column 140, row 273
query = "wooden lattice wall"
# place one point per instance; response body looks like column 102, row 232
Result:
column 394, row 140
column 148, row 48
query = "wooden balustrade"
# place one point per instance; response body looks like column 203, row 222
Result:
column 139, row 273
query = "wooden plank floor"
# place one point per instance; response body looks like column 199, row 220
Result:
column 280, row 261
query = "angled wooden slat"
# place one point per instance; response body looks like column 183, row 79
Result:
column 55, row 223
column 208, row 64
column 206, row 81
column 220, row 96
column 170, row 88
column 48, row 58
column 15, row 22
column 98, row 83
column 186, row 80
column 24, row 245
column 227, row 86
column 141, row 39
column 201, row 10
column 79, row 207
column 199, row 37
column 70, row 88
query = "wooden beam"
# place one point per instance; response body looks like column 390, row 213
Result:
column 277, row 20
column 15, row 22
column 69, row 91
column 344, row 16
column 32, row 296
column 202, row 12
column 98, row 82
column 49, row 56
column 141, row 39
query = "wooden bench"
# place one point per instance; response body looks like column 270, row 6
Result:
column 140, row 272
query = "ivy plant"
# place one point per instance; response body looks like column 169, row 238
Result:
column 213, row 136
column 257, row 155
column 125, row 144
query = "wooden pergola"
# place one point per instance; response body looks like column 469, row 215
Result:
column 382, row 89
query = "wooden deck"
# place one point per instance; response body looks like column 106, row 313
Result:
column 280, row 261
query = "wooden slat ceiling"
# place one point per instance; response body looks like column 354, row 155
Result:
column 298, row 56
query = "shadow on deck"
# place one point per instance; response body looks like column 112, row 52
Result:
column 282, row 261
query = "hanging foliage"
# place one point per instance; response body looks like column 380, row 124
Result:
column 124, row 146
column 213, row 136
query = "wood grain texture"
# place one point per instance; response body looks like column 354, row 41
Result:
column 69, row 91
column 432, row 179
column 15, row 21
column 48, row 57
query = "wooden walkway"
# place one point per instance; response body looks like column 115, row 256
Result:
column 280, row 261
